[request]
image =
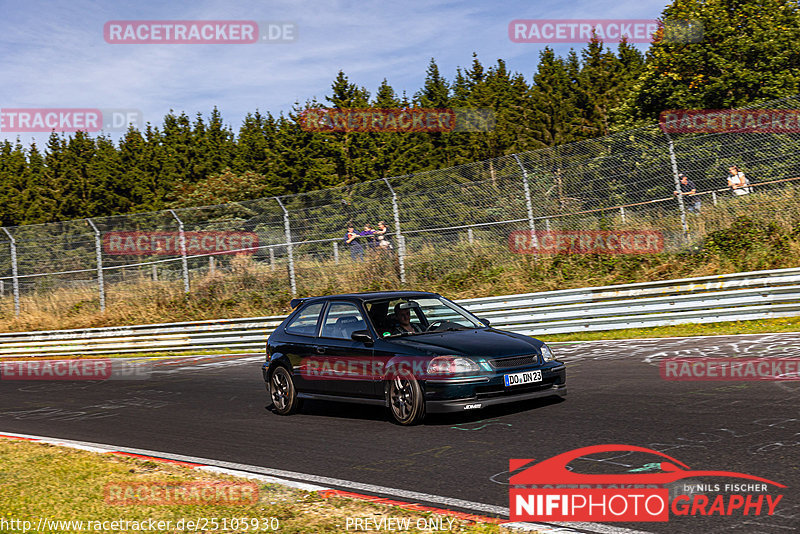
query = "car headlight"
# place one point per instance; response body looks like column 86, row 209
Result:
column 451, row 365
column 547, row 354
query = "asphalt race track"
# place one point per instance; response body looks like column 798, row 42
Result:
column 215, row 408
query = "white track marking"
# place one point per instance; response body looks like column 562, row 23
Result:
column 279, row 476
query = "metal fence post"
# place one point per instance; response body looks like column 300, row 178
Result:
column 470, row 236
column 211, row 265
column 183, row 252
column 528, row 204
column 289, row 249
column 527, row 189
column 336, row 252
column 401, row 254
column 271, row 258
column 14, row 273
column 401, row 242
column 681, row 207
column 99, row 253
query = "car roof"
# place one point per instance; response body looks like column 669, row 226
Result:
column 370, row 295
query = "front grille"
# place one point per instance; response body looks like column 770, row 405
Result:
column 488, row 392
column 514, row 361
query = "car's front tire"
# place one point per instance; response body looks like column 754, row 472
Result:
column 282, row 391
column 405, row 398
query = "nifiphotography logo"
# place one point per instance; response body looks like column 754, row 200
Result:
column 550, row 491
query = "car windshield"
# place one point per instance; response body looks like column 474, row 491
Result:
column 407, row 316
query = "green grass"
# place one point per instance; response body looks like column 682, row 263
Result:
column 44, row 481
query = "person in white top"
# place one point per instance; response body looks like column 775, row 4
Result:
column 737, row 181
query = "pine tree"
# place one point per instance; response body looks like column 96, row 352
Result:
column 12, row 183
column 748, row 54
column 556, row 119
column 36, row 198
column 350, row 151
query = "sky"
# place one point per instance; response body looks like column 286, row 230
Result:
column 54, row 54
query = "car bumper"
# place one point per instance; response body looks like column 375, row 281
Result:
column 459, row 405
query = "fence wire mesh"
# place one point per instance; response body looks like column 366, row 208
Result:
column 625, row 181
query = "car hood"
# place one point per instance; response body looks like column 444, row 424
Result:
column 486, row 342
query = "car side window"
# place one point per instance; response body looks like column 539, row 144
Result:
column 305, row 322
column 341, row 320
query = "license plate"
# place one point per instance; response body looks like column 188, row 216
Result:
column 525, row 377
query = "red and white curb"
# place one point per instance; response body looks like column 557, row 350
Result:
column 278, row 476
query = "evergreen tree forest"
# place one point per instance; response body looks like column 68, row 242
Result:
column 749, row 53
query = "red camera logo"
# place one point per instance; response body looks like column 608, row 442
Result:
column 586, row 242
column 549, row 491
column 169, row 243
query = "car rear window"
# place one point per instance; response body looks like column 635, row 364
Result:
column 305, row 322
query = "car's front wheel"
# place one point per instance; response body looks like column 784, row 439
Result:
column 282, row 391
column 405, row 398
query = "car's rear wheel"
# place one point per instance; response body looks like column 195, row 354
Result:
column 282, row 391
column 405, row 398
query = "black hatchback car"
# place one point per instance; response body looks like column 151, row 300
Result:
column 413, row 352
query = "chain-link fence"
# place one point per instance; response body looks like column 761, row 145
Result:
column 624, row 181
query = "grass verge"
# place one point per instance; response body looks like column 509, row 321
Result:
column 39, row 480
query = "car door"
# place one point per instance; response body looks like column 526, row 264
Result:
column 298, row 342
column 344, row 366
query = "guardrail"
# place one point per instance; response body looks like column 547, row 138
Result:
column 729, row 297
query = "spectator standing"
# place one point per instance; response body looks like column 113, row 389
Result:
column 688, row 188
column 737, row 181
column 369, row 234
column 351, row 240
column 383, row 240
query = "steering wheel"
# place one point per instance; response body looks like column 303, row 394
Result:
column 435, row 324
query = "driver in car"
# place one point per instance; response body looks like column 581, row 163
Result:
column 402, row 318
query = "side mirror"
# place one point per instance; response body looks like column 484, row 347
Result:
column 485, row 321
column 362, row 336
